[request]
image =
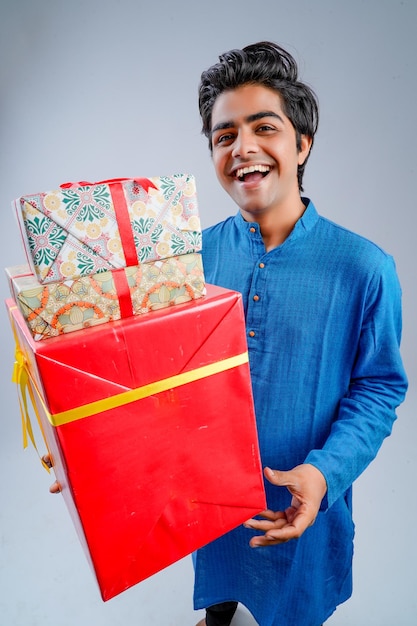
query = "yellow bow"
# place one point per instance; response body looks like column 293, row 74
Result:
column 25, row 384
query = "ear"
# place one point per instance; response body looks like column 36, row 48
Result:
column 305, row 147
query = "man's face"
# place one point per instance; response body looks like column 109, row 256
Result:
column 254, row 150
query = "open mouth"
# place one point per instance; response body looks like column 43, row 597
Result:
column 252, row 171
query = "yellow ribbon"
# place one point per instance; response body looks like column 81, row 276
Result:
column 22, row 377
column 126, row 397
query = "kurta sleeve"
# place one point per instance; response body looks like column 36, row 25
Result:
column 378, row 385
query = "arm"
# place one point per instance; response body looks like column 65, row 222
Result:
column 378, row 385
column 365, row 417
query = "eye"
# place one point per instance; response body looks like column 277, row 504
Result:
column 224, row 138
column 265, row 128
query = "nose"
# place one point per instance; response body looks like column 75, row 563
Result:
column 245, row 143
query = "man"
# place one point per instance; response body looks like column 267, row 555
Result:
column 323, row 316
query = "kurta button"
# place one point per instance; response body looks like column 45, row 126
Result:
column 251, row 333
column 252, row 229
column 261, row 265
column 256, row 298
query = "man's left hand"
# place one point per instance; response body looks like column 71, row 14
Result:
column 307, row 486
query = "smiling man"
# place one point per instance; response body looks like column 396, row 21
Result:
column 323, row 317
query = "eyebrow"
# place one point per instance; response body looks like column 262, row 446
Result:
column 248, row 120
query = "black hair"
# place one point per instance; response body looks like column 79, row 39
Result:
column 270, row 65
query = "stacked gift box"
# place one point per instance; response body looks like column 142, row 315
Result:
column 146, row 409
column 100, row 252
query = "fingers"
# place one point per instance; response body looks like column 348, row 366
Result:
column 273, row 515
column 275, row 527
column 55, row 487
column 266, row 526
column 267, row 515
column 278, row 530
column 307, row 487
column 47, row 460
column 274, row 537
column 277, row 477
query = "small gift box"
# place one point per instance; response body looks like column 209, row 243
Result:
column 150, row 424
column 85, row 228
column 64, row 307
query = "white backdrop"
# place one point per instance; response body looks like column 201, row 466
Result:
column 101, row 89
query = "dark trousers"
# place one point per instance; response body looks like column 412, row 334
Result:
column 220, row 614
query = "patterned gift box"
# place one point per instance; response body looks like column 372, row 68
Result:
column 151, row 429
column 64, row 307
column 85, row 228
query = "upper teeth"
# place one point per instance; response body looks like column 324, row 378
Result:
column 252, row 168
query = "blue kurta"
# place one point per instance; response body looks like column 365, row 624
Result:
column 323, row 318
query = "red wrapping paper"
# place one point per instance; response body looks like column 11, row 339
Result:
column 150, row 481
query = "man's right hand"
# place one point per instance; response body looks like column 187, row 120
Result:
column 55, row 487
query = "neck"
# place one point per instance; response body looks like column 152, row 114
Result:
column 276, row 226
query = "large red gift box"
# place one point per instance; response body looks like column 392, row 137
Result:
column 150, row 424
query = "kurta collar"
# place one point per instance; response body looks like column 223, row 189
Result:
column 303, row 225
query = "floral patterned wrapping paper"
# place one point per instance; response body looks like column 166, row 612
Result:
column 78, row 230
column 63, row 307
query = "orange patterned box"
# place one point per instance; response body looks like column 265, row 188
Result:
column 63, row 307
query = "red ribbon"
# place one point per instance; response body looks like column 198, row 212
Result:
column 123, row 222
column 121, row 210
column 123, row 293
column 143, row 182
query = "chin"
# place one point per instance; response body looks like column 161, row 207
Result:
column 253, row 210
